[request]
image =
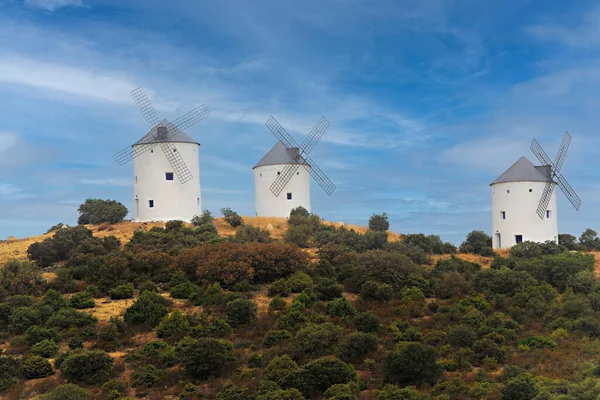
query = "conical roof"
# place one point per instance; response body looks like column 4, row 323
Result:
column 173, row 134
column 280, row 155
column 524, row 171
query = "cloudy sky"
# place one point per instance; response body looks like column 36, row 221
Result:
column 429, row 100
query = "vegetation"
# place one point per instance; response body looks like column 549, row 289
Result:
column 97, row 211
column 178, row 312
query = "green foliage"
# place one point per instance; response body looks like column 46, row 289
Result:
column 58, row 247
column 9, row 372
column 430, row 244
column 75, row 342
column 82, row 300
column 71, row 318
column 538, row 342
column 345, row 391
column 86, row 366
column 148, row 309
column 173, row 327
column 54, row 300
column 34, row 367
column 367, row 322
column 185, row 290
column 280, row 287
column 476, row 242
column 277, row 304
column 204, row 357
column 240, row 312
column 526, row 249
column 379, row 222
column 300, row 281
column 146, row 376
column 124, row 291
column 275, row 337
column 392, row 392
column 97, row 211
column 384, row 267
column 21, row 318
column 203, row 219
column 322, row 373
column 372, row 290
column 282, row 370
column 341, row 308
column 357, row 345
column 412, row 363
column 232, row 392
column 316, row 338
column 252, row 234
column 21, row 277
column 46, row 348
column 67, row 391
column 298, row 235
column 328, row 289
column 520, row 388
column 487, row 348
column 589, row 240
column 231, row 217
column 36, row 334
column 568, row 241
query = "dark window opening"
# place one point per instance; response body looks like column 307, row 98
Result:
column 151, row 203
column 289, row 196
column 278, row 173
column 530, row 190
column 508, row 191
column 169, row 176
column 297, row 173
column 151, row 151
column 174, row 150
column 503, row 214
column 519, row 238
column 547, row 213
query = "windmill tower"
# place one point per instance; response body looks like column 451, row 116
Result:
column 166, row 166
column 280, row 185
column 524, row 199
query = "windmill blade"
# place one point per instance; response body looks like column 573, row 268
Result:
column 541, row 155
column 569, row 192
column 313, row 137
column 283, row 178
column 281, row 134
column 561, row 154
column 179, row 167
column 129, row 153
column 545, row 200
column 319, row 176
column 145, row 106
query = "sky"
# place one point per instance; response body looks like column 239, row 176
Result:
column 429, row 101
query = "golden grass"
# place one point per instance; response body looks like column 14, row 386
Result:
column 106, row 308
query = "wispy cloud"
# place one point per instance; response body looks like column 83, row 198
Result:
column 53, row 5
column 584, row 34
column 106, row 182
column 8, row 191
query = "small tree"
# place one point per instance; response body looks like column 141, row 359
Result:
column 569, row 241
column 34, row 367
column 240, row 311
column 68, row 391
column 477, row 242
column 379, row 222
column 413, row 363
column 589, row 240
column 85, row 366
column 203, row 219
column 98, row 211
column 201, row 358
column 148, row 309
column 231, row 217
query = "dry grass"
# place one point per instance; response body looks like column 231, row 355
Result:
column 106, row 308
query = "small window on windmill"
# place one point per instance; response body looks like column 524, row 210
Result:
column 169, row 176
column 530, row 190
column 508, row 191
column 278, row 172
column 548, row 214
column 289, row 196
column 151, row 203
column 298, row 173
column 503, row 214
column 136, row 179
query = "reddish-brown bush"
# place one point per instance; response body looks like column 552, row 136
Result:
column 229, row 263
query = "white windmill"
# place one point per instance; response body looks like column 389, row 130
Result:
column 163, row 154
column 524, row 199
column 280, row 169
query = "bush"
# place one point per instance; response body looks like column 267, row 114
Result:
column 347, row 391
column 124, row 291
column 384, row 267
column 69, row 318
column 201, row 358
column 277, row 304
column 173, row 327
column 148, row 309
column 340, row 308
column 568, row 241
column 252, row 234
column 322, row 373
column 298, row 235
column 379, row 222
column 185, row 290
column 487, row 348
column 520, row 388
column 538, row 342
column 392, row 392
column 232, row 392
column 282, row 370
column 82, row 300
column 357, row 345
column 299, row 281
column 45, row 348
column 476, row 242
column 21, row 318
column 54, row 300
column 411, row 364
column 280, row 287
column 367, row 322
column 203, row 219
column 87, row 366
column 75, row 342
column 328, row 289
column 231, row 217
column 9, row 372
column 526, row 249
column 589, row 240
column 275, row 337
column 372, row 290
column 68, row 391
column 313, row 338
column 37, row 334
column 97, row 211
column 34, row 367
column 240, row 312
column 146, row 376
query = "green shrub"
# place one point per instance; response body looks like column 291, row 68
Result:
column 232, row 392
column 97, row 211
column 342, row 391
column 69, row 318
column 277, row 304
column 526, row 249
column 282, row 370
column 322, row 373
column 35, row 334
column 252, row 234
column 75, row 342
column 203, row 219
column 328, row 289
column 54, row 299
column 34, row 367
column 201, row 358
column 124, row 291
column 280, row 287
column 340, row 308
column 520, row 388
column 148, row 309
column 146, row 376
column 313, row 338
column 538, row 342
column 185, row 290
column 115, row 385
column 82, row 300
column 291, row 320
column 357, row 345
column 240, row 312
column 487, row 348
column 412, row 363
column 392, row 392
column 9, row 372
column 173, row 327
column 372, row 290
column 231, row 217
column 46, row 348
column 275, row 337
column 379, row 222
column 22, row 318
column 476, row 242
column 461, row 336
column 298, row 235
column 367, row 322
column 148, row 286
column 87, row 366
column 67, row 391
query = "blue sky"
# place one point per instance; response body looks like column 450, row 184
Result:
column 429, row 100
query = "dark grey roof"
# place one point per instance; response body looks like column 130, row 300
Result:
column 173, row 135
column 280, row 155
column 524, row 171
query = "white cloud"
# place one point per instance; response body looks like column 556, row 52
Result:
column 106, row 182
column 222, row 191
column 8, row 140
column 53, row 5
column 491, row 155
column 586, row 34
column 8, row 191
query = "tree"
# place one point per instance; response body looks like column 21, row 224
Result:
column 231, row 217
column 413, row 363
column 148, row 309
column 98, row 211
column 87, row 366
column 34, row 367
column 589, row 240
column 9, row 372
column 569, row 241
column 322, row 373
column 203, row 219
column 201, row 358
column 476, row 242
column 300, row 212
column 379, row 222
column 241, row 311
column 520, row 388
column 526, row 249
column 68, row 391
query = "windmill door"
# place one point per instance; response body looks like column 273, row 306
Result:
column 498, row 241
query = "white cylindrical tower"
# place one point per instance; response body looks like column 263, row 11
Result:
column 295, row 193
column 158, row 193
column 516, row 195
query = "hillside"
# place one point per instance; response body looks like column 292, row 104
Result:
column 180, row 313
